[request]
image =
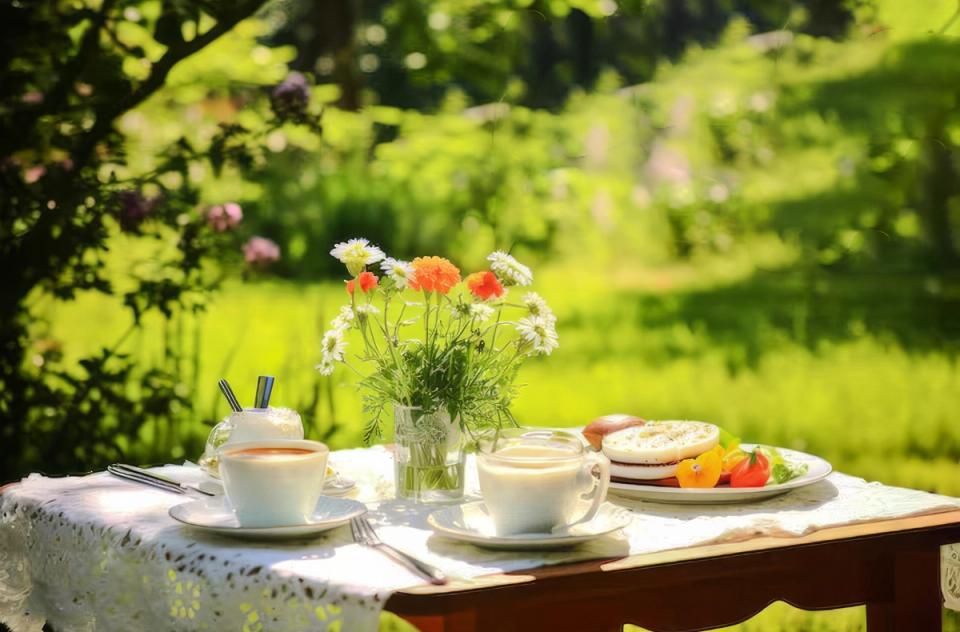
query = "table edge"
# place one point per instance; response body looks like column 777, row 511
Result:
column 876, row 528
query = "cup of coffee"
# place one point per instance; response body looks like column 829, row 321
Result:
column 539, row 481
column 272, row 483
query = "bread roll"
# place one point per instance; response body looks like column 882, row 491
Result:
column 602, row 426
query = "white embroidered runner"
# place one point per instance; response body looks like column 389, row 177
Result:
column 100, row 553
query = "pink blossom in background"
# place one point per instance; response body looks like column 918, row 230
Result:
column 224, row 217
column 260, row 251
column 33, row 174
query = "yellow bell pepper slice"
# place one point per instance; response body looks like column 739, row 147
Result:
column 701, row 472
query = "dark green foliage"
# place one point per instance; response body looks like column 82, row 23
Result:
column 64, row 83
column 532, row 52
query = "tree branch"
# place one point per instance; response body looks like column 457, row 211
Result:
column 106, row 116
column 85, row 54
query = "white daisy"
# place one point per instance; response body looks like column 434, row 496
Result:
column 366, row 310
column 481, row 312
column 539, row 333
column 344, row 319
column 325, row 367
column 509, row 270
column 478, row 311
column 536, row 306
column 356, row 254
column 397, row 271
column 332, row 346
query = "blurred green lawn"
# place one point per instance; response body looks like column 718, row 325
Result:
column 861, row 371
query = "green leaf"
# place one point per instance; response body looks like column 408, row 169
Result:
column 785, row 471
column 728, row 440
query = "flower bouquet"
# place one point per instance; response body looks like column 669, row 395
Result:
column 438, row 353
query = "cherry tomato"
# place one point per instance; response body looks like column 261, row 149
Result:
column 752, row 471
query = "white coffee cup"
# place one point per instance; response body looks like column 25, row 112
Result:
column 533, row 481
column 272, row 483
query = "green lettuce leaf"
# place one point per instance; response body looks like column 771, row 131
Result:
column 786, row 471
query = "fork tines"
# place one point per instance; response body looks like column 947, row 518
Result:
column 363, row 531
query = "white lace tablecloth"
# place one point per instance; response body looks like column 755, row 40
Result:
column 99, row 553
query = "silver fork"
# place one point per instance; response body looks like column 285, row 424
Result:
column 363, row 533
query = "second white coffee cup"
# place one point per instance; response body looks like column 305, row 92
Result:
column 272, row 483
column 534, row 481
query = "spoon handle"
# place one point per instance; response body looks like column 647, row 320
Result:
column 264, row 389
column 228, row 394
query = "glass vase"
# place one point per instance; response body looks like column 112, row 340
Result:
column 428, row 455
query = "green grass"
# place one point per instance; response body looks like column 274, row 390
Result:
column 859, row 370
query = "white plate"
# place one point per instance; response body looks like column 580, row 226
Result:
column 215, row 516
column 817, row 470
column 470, row 522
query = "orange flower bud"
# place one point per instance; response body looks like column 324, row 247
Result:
column 368, row 281
column 484, row 285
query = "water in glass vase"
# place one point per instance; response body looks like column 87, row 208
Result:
column 428, row 455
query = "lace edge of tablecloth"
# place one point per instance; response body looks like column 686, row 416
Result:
column 81, row 576
column 950, row 576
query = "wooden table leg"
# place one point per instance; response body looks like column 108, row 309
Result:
column 453, row 622
column 915, row 602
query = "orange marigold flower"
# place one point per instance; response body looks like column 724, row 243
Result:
column 434, row 274
column 368, row 281
column 484, row 285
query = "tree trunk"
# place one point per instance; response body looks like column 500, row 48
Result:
column 333, row 24
column 940, row 184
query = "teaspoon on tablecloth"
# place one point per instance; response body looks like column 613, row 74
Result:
column 145, row 477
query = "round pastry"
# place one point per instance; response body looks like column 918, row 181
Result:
column 652, row 451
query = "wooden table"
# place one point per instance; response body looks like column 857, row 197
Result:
column 890, row 566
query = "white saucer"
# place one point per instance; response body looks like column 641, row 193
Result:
column 817, row 470
column 214, row 515
column 336, row 486
column 470, row 522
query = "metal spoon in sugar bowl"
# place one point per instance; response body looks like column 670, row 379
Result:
column 264, row 389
